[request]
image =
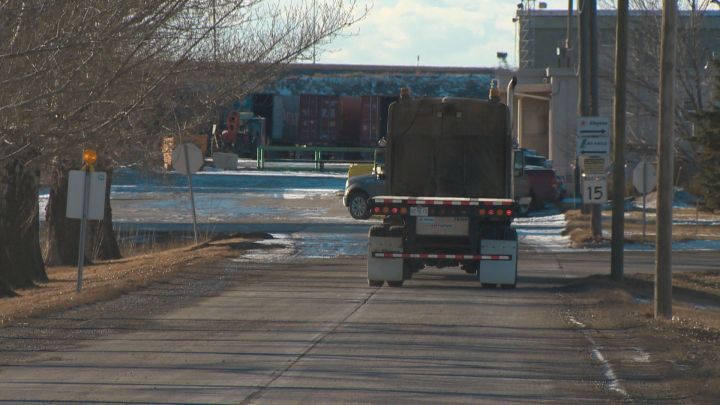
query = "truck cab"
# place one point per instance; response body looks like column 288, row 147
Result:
column 535, row 181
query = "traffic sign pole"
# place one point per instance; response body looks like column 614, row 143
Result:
column 192, row 195
column 619, row 110
column 645, row 179
column 83, row 228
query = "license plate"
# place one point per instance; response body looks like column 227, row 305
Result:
column 419, row 211
column 442, row 226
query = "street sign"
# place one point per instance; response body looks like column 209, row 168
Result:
column 593, row 145
column 644, row 177
column 593, row 126
column 593, row 136
column 194, row 158
column 594, row 190
column 76, row 192
column 593, row 165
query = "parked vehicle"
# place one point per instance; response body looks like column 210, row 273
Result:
column 449, row 197
column 536, row 183
column 360, row 188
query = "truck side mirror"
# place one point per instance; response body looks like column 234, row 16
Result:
column 518, row 163
column 380, row 171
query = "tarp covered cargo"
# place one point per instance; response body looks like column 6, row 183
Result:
column 449, row 147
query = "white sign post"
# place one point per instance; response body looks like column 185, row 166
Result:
column 85, row 200
column 594, row 190
column 593, row 150
column 644, row 180
column 188, row 159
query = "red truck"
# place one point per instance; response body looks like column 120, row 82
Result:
column 536, row 184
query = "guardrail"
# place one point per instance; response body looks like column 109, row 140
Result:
column 317, row 155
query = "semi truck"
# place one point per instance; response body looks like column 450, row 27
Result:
column 448, row 198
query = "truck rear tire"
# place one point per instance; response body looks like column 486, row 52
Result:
column 508, row 286
column 378, row 230
column 375, row 283
column 395, row 284
column 470, row 268
column 488, row 285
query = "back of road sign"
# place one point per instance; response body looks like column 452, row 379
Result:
column 644, row 178
column 194, row 160
column 76, row 187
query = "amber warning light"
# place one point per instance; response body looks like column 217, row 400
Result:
column 89, row 157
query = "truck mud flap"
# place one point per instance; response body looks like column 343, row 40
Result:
column 503, row 272
column 381, row 269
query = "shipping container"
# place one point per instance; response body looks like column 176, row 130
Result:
column 370, row 123
column 285, row 118
column 262, row 106
column 319, row 119
column 350, row 117
column 374, row 119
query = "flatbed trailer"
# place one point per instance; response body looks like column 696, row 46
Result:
column 473, row 233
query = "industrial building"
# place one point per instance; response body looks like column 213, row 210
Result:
column 346, row 105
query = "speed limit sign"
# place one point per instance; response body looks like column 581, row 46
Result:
column 594, row 190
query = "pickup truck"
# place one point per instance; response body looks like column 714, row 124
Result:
column 536, row 184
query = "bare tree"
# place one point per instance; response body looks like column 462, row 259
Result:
column 110, row 75
column 695, row 43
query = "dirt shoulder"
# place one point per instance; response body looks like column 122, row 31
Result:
column 674, row 360
column 105, row 280
column 689, row 224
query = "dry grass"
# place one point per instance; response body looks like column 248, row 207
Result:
column 108, row 279
column 694, row 225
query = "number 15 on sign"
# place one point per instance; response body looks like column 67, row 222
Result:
column 594, row 191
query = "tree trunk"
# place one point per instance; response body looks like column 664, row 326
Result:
column 20, row 255
column 63, row 234
column 103, row 241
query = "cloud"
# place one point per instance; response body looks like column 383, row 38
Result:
column 442, row 32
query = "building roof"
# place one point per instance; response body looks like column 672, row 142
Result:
column 612, row 13
column 360, row 80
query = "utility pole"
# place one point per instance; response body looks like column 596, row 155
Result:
column 596, row 209
column 663, row 241
column 214, row 29
column 619, row 107
column 584, row 52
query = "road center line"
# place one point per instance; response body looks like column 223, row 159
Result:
column 280, row 372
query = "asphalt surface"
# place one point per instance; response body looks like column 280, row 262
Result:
column 311, row 331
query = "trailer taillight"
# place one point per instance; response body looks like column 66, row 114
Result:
column 508, row 213
column 403, row 210
column 491, row 212
column 377, row 210
column 385, row 210
column 394, row 210
column 481, row 212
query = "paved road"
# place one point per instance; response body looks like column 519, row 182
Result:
column 311, row 332
column 293, row 330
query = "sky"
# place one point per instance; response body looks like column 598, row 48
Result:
column 442, row 32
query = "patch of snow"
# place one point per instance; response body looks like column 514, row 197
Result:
column 641, row 356
column 273, row 173
column 543, row 233
column 640, row 300
column 309, row 245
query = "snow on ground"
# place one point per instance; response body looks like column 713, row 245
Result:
column 250, row 196
column 312, row 245
column 542, row 231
